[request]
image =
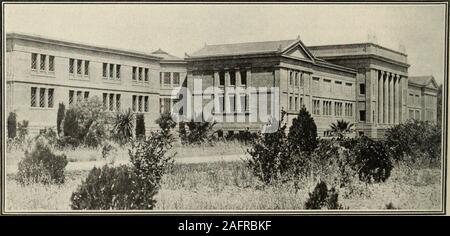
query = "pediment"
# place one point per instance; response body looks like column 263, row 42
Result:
column 298, row 50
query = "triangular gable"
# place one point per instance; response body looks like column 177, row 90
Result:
column 432, row 83
column 298, row 50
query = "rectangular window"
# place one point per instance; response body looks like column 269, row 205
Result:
column 50, row 98
column 290, row 78
column 176, row 78
column 71, row 93
column 362, row 115
column 42, row 64
column 33, row 61
column 117, row 102
column 133, row 106
column 105, row 68
column 316, row 107
column 86, row 95
column 296, row 103
column 417, row 115
column 232, row 78
column 222, row 78
column 362, row 89
column 232, row 103
column 221, row 103
column 105, row 102
column 140, row 74
column 290, row 103
column 140, row 104
column 111, row 71
column 111, row 102
column 117, row 71
column 146, row 104
column 411, row 114
column 243, row 77
column 79, row 63
column 133, row 77
column 33, row 96
column 42, row 97
column 79, row 94
column 166, row 78
column 296, row 79
column 86, row 67
column 51, row 63
column 243, row 103
column 71, row 65
column 146, row 74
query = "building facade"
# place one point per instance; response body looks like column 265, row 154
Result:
column 243, row 85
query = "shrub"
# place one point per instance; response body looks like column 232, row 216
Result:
column 12, row 125
column 414, row 139
column 341, row 128
column 114, row 188
column 41, row 166
column 22, row 130
column 60, row 118
column 371, row 160
column 270, row 157
column 196, row 132
column 303, row 132
column 322, row 197
column 123, row 126
column 166, row 124
column 70, row 125
column 140, row 125
column 245, row 136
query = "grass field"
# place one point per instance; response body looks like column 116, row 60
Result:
column 231, row 186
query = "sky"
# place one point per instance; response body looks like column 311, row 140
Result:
column 418, row 30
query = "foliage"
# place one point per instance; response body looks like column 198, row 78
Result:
column 140, row 125
column 414, row 139
column 341, row 128
column 12, row 125
column 196, row 132
column 123, row 126
column 60, row 118
column 42, row 166
column 303, row 133
column 322, row 197
column 439, row 106
column 371, row 160
column 22, row 130
column 117, row 188
column 270, row 156
column 166, row 124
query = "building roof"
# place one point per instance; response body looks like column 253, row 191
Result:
column 422, row 80
column 165, row 55
column 242, row 48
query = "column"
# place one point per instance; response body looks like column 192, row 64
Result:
column 238, row 76
column 397, row 99
column 385, row 97
column 380, row 97
column 400, row 98
column 227, row 84
column 391, row 99
column 374, row 78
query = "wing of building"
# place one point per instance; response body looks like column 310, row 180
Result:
column 242, row 85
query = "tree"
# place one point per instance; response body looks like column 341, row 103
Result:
column 12, row 125
column 302, row 135
column 60, row 117
column 341, row 128
column 439, row 106
column 166, row 123
column 140, row 125
column 123, row 125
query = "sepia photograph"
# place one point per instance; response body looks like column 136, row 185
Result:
column 210, row 108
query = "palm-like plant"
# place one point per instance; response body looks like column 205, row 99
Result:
column 124, row 125
column 341, row 128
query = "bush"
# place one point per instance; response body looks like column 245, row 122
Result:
column 270, row 157
column 127, row 187
column 123, row 126
column 303, row 132
column 41, row 166
column 196, row 132
column 166, row 124
column 371, row 160
column 60, row 118
column 322, row 197
column 22, row 130
column 12, row 125
column 414, row 139
column 140, row 125
column 114, row 188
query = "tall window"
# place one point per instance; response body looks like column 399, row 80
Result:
column 133, row 77
column 111, row 70
column 291, row 75
column 362, row 115
column 290, row 103
column 33, row 96
column 86, row 95
column 222, row 78
column 146, row 74
column 232, row 78
column 302, row 80
column 296, row 103
column 50, row 97
column 71, row 65
column 232, row 103
column 243, row 102
column 79, row 64
column 42, row 64
column 296, row 79
column 166, row 78
column 42, row 97
column 243, row 77
column 117, row 71
column 133, row 106
column 362, row 89
column 140, row 104
column 79, row 96
column 33, row 61
column 221, row 103
column 316, row 107
column 117, row 102
column 71, row 93
column 105, row 68
column 176, row 78
column 111, row 102
column 51, row 63
column 86, row 67
column 146, row 104
column 105, row 102
column 140, row 74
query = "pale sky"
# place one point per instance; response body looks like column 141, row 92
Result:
column 186, row 28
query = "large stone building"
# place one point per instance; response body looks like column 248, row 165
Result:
column 365, row 84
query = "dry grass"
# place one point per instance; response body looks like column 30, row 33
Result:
column 231, row 186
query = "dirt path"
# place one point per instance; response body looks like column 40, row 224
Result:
column 87, row 165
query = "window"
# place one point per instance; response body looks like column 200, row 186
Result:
column 338, row 108
column 105, row 68
column 42, row 64
column 33, row 96
column 296, row 79
column 133, row 77
column 111, row 102
column 79, row 94
column 86, row 95
column 146, row 74
column 50, row 98
column 140, row 104
column 362, row 89
column 243, row 77
column 411, row 114
column 222, row 78
column 176, row 78
column 290, row 103
column 105, row 102
column 71, row 65
column 133, row 106
column 140, row 74
column 232, row 78
column 291, row 78
column 302, row 80
column 146, row 104
column 232, row 103
column 221, row 103
column 51, row 63
column 86, row 67
column 166, row 78
column 33, row 61
column 362, row 115
column 296, row 103
column 117, row 71
column 71, row 93
column 326, row 108
column 117, row 102
column 79, row 63
column 316, row 107
column 348, row 109
column 243, row 103
column 111, row 71
column 42, row 97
